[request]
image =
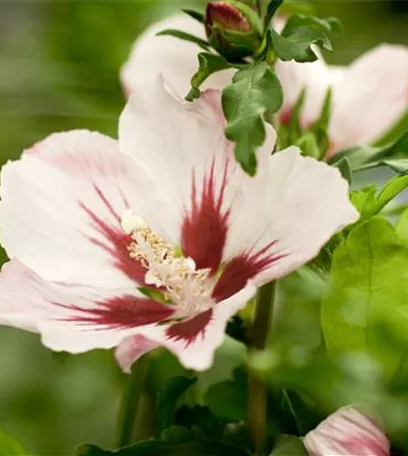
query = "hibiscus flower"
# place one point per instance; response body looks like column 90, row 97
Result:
column 156, row 239
column 369, row 96
column 347, row 432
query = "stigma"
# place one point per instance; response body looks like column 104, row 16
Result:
column 183, row 285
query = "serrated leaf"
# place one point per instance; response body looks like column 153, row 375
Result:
column 207, row 65
column 345, row 169
column 186, row 37
column 273, row 6
column 367, row 289
column 297, row 47
column 197, row 15
column 299, row 34
column 289, row 445
column 10, row 447
column 167, row 401
column 254, row 91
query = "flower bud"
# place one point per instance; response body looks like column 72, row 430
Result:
column 233, row 28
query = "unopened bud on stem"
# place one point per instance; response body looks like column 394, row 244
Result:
column 233, row 28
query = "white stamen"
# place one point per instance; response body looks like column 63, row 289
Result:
column 131, row 222
column 188, row 288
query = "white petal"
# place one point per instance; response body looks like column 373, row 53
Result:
column 176, row 59
column 195, row 349
column 347, row 432
column 183, row 146
column 305, row 204
column 371, row 97
column 131, row 349
column 61, row 207
column 72, row 318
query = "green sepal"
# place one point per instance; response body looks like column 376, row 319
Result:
column 186, row 37
column 197, row 15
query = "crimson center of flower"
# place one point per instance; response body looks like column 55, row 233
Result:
column 183, row 285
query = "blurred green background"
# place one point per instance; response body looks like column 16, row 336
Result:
column 59, row 63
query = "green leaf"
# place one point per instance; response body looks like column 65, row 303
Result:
column 229, row 399
column 254, row 91
column 208, row 64
column 167, row 400
column 345, row 168
column 402, row 226
column 271, row 10
column 186, row 37
column 200, row 417
column 369, row 204
column 367, row 157
column 297, row 47
column 191, row 447
column 197, row 15
column 367, row 289
column 9, row 446
column 299, row 34
column 289, row 445
column 298, row 7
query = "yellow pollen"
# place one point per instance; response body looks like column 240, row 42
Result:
column 187, row 288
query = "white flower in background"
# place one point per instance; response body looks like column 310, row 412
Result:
column 369, row 96
column 347, row 432
column 159, row 238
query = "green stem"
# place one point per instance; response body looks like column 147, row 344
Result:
column 258, row 335
column 132, row 400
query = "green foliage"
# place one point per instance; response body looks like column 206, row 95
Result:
column 169, row 397
column 255, row 90
column 10, row 447
column 289, row 445
column 207, row 65
column 368, row 203
column 365, row 157
column 175, row 441
column 367, row 289
column 229, row 399
column 197, row 15
column 186, row 37
column 299, row 34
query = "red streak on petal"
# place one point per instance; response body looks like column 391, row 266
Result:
column 188, row 331
column 119, row 312
column 204, row 230
column 242, row 268
column 106, row 202
column 116, row 244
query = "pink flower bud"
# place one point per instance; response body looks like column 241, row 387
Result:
column 347, row 432
column 233, row 28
